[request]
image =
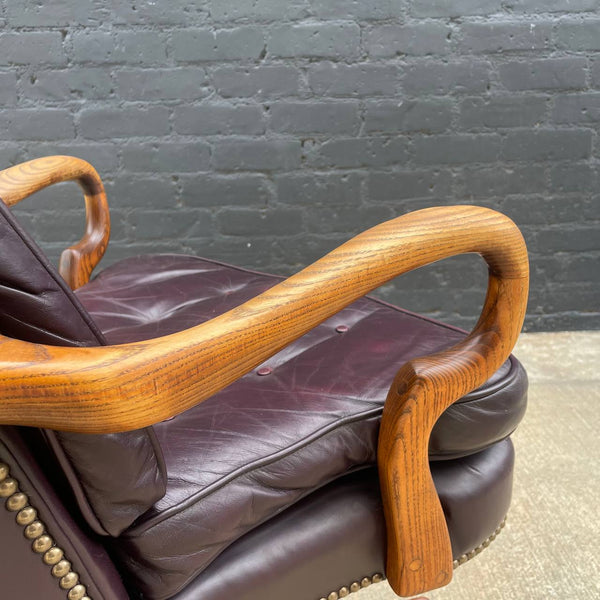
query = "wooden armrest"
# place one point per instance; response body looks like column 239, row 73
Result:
column 129, row 386
column 16, row 183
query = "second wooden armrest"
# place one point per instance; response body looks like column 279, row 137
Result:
column 78, row 261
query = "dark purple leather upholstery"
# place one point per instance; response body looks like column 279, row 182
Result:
column 337, row 534
column 115, row 477
column 267, row 441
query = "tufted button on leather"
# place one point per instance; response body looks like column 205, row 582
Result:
column 341, row 328
column 264, row 371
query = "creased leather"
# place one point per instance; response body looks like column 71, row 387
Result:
column 265, row 442
column 114, row 477
column 337, row 534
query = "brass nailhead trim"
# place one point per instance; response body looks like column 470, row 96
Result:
column 461, row 560
column 355, row 586
column 42, row 543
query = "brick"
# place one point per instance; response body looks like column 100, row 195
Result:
column 103, row 156
column 123, row 47
column 365, row 10
column 361, row 152
column 551, row 6
column 574, row 177
column 391, row 187
column 257, row 155
column 417, row 40
column 502, row 111
column 579, row 35
column 308, row 189
column 582, row 238
column 32, row 48
column 535, row 210
column 262, row 82
column 260, row 10
column 457, row 149
column 363, row 79
column 455, row 8
column 327, row 40
column 8, row 89
column 10, row 155
column 174, row 223
column 101, row 123
column 200, row 45
column 409, row 115
column 175, row 12
column 187, row 83
column 58, row 13
column 37, row 124
column 596, row 73
column 539, row 74
column 344, row 219
column 500, row 181
column 142, row 192
column 505, row 37
column 577, row 108
column 219, row 119
column 561, row 144
column 458, row 77
column 314, row 117
column 169, row 157
column 65, row 85
column 204, row 190
column 242, row 222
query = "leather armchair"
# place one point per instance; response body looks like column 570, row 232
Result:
column 181, row 428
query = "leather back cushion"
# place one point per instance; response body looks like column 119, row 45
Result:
column 115, row 477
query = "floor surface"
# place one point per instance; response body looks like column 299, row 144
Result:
column 550, row 547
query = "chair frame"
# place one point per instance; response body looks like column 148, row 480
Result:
column 116, row 388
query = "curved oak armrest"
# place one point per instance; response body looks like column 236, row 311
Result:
column 115, row 388
column 78, row 261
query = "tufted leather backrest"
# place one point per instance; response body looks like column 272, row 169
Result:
column 115, row 477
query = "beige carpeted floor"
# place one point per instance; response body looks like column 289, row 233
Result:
column 550, row 547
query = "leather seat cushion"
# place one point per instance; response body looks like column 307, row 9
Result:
column 267, row 441
column 337, row 535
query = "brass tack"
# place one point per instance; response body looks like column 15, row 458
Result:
column 343, row 592
column 4, row 471
column 471, row 555
column 86, row 598
column 26, row 516
column 61, row 568
column 77, row 592
column 455, row 564
column 42, row 544
column 365, row 582
column 17, row 501
column 322, row 598
column 69, row 580
column 377, row 578
column 463, row 559
column 486, row 543
column 354, row 586
column 53, row 556
column 8, row 487
column 34, row 530
column 333, row 596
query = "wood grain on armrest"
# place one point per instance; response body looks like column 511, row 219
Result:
column 19, row 182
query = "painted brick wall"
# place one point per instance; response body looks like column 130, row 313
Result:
column 265, row 132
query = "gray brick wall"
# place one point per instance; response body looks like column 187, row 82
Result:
column 266, row 132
